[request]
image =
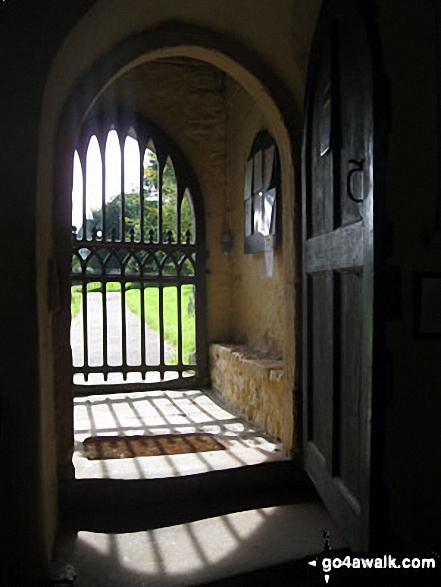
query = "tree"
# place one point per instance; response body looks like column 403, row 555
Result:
column 132, row 208
column 132, row 220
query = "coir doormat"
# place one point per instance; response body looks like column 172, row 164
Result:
column 123, row 447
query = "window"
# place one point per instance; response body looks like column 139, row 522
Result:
column 261, row 192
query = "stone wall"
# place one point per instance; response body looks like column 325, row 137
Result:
column 251, row 381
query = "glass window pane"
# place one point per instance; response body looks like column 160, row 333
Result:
column 257, row 184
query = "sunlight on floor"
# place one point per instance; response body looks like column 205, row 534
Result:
column 167, row 412
column 195, row 552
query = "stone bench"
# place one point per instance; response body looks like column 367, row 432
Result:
column 251, row 381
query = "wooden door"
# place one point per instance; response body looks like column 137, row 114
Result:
column 338, row 267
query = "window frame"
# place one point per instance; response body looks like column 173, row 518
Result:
column 261, row 185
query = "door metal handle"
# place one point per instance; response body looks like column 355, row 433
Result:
column 359, row 166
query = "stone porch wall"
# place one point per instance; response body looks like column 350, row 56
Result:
column 251, row 381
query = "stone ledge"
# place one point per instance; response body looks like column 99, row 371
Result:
column 245, row 354
column 251, row 381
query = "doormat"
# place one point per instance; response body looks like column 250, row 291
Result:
column 125, row 447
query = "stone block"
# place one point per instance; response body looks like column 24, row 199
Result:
column 251, row 381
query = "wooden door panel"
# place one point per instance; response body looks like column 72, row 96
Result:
column 321, row 353
column 335, row 338
column 337, row 250
column 320, row 213
column 353, row 90
column 340, row 502
column 338, row 268
column 348, row 365
column 322, row 204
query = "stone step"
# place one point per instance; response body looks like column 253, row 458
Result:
column 104, row 494
column 230, row 548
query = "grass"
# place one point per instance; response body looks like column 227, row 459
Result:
column 75, row 301
column 151, row 301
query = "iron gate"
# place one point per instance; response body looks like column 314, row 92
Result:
column 138, row 276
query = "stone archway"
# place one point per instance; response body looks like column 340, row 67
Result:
column 273, row 99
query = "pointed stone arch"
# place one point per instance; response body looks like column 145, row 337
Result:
column 282, row 112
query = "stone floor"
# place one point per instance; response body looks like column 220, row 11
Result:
column 168, row 412
column 202, row 551
column 199, row 537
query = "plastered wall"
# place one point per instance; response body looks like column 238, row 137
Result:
column 258, row 308
column 258, row 304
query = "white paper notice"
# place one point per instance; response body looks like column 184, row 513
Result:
column 268, row 257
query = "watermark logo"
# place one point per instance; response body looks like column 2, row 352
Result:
column 326, row 548
column 422, row 568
